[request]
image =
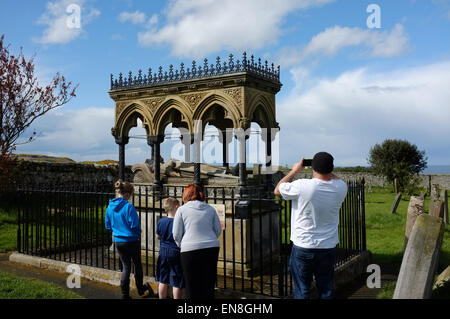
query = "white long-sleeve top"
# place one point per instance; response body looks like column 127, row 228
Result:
column 196, row 226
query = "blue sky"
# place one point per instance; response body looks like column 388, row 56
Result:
column 345, row 87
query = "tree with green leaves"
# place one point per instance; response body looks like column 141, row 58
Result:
column 397, row 160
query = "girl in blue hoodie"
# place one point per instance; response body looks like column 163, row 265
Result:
column 122, row 219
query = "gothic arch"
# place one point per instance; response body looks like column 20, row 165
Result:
column 262, row 111
column 127, row 119
column 172, row 111
column 204, row 108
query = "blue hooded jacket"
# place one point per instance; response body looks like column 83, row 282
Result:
column 122, row 219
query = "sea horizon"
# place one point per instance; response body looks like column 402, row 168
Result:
column 436, row 169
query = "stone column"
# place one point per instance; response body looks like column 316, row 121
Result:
column 197, row 158
column 223, row 138
column 122, row 141
column 152, row 149
column 156, row 141
column 242, row 138
column 267, row 139
column 187, row 140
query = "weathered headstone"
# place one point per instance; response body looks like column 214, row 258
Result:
column 444, row 198
column 397, row 199
column 438, row 210
column 416, row 277
column 416, row 207
column 442, row 278
column 434, row 191
column 423, row 195
column 257, row 169
column 434, row 198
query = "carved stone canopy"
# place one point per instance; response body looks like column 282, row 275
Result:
column 232, row 94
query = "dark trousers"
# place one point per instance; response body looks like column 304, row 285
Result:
column 200, row 272
column 128, row 252
column 304, row 263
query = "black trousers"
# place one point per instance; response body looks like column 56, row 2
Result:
column 200, row 272
column 128, row 252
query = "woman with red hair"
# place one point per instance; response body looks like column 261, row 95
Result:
column 196, row 229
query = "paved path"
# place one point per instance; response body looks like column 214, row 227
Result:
column 358, row 289
column 89, row 289
column 97, row 290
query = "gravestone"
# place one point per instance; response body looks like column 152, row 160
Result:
column 423, row 195
column 416, row 277
column 434, row 198
column 442, row 278
column 444, row 198
column 416, row 207
column 257, row 169
column 438, row 210
column 397, row 199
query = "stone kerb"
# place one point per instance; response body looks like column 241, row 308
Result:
column 420, row 259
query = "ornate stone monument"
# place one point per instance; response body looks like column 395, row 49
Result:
column 229, row 95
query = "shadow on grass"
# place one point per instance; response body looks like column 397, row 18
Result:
column 444, row 260
column 388, row 263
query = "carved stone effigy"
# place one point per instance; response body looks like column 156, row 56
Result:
column 178, row 172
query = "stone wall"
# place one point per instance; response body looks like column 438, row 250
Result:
column 60, row 173
column 377, row 181
column 29, row 172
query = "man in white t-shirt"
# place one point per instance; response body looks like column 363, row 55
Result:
column 314, row 224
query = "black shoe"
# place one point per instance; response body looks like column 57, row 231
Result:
column 145, row 287
column 126, row 297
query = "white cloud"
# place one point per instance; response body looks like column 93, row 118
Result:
column 58, row 30
column 83, row 135
column 349, row 114
column 79, row 134
column 332, row 40
column 153, row 19
column 196, row 28
column 136, row 17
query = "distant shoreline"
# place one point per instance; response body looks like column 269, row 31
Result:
column 436, row 170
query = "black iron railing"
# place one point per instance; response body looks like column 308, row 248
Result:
column 196, row 71
column 67, row 224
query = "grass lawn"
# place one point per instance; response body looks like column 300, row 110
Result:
column 8, row 229
column 15, row 287
column 385, row 235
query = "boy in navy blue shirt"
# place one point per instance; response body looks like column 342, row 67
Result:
column 168, row 266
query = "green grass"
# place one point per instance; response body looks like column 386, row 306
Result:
column 385, row 232
column 388, row 291
column 8, row 237
column 15, row 287
column 8, row 229
column 385, row 235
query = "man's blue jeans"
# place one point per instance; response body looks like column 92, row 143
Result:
column 304, row 263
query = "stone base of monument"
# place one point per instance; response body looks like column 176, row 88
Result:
column 249, row 245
